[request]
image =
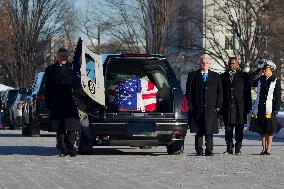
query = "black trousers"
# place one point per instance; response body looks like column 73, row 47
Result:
column 229, row 135
column 65, row 139
column 199, row 142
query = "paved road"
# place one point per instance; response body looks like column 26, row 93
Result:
column 33, row 163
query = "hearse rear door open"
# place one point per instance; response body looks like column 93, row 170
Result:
column 88, row 79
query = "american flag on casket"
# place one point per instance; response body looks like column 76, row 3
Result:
column 135, row 94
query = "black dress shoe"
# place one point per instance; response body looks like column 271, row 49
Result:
column 62, row 153
column 199, row 153
column 262, row 153
column 267, row 153
column 228, row 152
column 72, row 153
column 238, row 152
column 209, row 154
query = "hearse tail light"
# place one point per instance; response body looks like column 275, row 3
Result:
column 19, row 106
column 184, row 107
column 177, row 133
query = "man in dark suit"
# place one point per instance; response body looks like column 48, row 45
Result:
column 236, row 104
column 59, row 100
column 204, row 92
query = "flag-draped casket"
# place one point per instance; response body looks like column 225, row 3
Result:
column 135, row 94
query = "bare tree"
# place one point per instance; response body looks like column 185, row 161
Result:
column 140, row 24
column 67, row 35
column 8, row 65
column 160, row 14
column 129, row 22
column 70, row 22
column 36, row 25
column 275, row 32
column 243, row 21
column 275, row 29
column 93, row 24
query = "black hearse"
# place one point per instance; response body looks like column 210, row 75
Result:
column 102, row 125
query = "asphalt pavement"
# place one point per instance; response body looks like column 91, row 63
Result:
column 33, row 163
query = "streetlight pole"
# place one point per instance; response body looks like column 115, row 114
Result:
column 99, row 39
column 101, row 28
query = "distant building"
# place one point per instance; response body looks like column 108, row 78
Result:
column 192, row 25
column 282, row 81
column 186, row 37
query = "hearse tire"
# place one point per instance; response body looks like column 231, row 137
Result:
column 176, row 147
column 11, row 126
column 31, row 129
column 25, row 131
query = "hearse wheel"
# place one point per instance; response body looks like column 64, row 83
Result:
column 176, row 147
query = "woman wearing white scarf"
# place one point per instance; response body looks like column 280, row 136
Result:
column 266, row 106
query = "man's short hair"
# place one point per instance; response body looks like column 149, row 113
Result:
column 233, row 58
column 62, row 50
column 204, row 56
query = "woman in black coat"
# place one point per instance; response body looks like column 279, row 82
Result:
column 266, row 106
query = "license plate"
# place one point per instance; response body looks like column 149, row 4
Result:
column 140, row 127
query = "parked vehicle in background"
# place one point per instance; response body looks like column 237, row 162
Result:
column 15, row 110
column 1, row 110
column 102, row 124
column 35, row 113
column 8, row 99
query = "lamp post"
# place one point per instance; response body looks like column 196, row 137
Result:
column 101, row 28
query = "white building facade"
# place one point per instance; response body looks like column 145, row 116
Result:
column 197, row 31
column 189, row 39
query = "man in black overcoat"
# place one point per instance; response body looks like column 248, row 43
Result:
column 64, row 118
column 236, row 104
column 204, row 92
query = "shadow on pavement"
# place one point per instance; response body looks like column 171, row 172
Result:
column 118, row 151
column 250, row 137
column 47, row 135
column 52, row 151
column 11, row 135
column 28, row 150
column 20, row 135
